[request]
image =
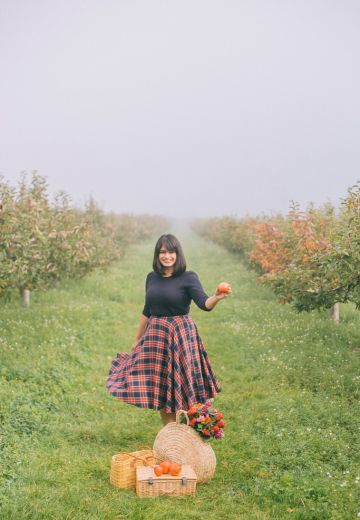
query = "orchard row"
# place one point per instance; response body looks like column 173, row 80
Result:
column 43, row 241
column 310, row 258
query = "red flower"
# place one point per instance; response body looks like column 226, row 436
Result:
column 211, row 423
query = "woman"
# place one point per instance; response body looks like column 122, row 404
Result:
column 168, row 368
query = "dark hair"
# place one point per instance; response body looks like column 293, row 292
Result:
column 171, row 243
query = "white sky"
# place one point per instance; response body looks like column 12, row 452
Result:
column 183, row 108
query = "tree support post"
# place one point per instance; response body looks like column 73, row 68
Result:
column 334, row 312
column 25, row 297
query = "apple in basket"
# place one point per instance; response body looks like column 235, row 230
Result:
column 165, row 464
column 175, row 469
column 158, row 470
column 167, row 467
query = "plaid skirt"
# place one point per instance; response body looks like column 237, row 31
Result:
column 168, row 367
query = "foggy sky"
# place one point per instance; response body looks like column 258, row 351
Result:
column 183, row 108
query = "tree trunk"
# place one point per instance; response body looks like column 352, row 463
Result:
column 25, row 297
column 334, row 313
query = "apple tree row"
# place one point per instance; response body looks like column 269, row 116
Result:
column 310, row 258
column 43, row 241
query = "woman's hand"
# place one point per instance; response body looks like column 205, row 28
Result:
column 222, row 290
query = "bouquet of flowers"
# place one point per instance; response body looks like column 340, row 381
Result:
column 207, row 421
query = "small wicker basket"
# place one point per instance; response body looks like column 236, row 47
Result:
column 182, row 444
column 149, row 485
column 123, row 467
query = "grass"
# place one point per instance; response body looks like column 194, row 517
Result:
column 290, row 396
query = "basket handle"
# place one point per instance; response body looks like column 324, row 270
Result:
column 144, row 447
column 179, row 413
column 137, row 458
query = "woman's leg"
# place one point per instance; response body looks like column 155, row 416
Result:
column 167, row 417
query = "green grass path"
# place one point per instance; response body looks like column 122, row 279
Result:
column 290, row 397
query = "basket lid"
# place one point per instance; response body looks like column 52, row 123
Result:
column 146, row 472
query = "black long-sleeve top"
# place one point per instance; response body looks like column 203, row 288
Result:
column 171, row 296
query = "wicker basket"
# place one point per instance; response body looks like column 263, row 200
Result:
column 149, row 485
column 182, row 444
column 123, row 467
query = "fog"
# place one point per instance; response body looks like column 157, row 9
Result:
column 184, row 109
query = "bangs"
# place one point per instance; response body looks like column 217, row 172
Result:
column 169, row 245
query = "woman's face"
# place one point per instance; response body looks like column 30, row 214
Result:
column 167, row 258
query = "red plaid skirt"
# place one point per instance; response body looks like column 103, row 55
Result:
column 168, row 368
